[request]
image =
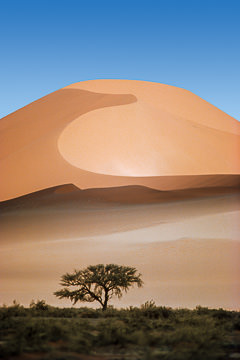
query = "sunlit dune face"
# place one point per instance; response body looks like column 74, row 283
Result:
column 139, row 139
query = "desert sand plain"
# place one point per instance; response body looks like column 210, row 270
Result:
column 126, row 172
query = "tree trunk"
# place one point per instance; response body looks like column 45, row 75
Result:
column 105, row 301
column 104, row 306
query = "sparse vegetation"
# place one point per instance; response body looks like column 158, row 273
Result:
column 149, row 332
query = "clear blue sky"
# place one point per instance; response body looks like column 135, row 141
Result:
column 48, row 44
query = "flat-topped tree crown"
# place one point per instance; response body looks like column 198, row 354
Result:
column 98, row 283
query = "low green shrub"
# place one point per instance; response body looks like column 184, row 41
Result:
column 149, row 332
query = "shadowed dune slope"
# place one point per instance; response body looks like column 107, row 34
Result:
column 111, row 133
column 124, row 195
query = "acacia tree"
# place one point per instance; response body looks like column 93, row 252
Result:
column 98, row 283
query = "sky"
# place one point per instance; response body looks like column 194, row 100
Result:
column 48, row 44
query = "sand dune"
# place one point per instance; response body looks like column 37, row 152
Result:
column 185, row 243
column 123, row 195
column 126, row 172
column 86, row 134
column 66, row 212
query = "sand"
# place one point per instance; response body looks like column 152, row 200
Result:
column 86, row 134
column 187, row 248
column 126, row 172
column 65, row 212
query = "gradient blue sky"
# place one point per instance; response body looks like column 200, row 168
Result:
column 46, row 45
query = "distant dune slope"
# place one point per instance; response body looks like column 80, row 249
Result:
column 110, row 133
column 66, row 212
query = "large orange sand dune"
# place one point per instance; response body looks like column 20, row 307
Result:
column 106, row 133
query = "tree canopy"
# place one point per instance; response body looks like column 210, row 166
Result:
column 98, row 283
